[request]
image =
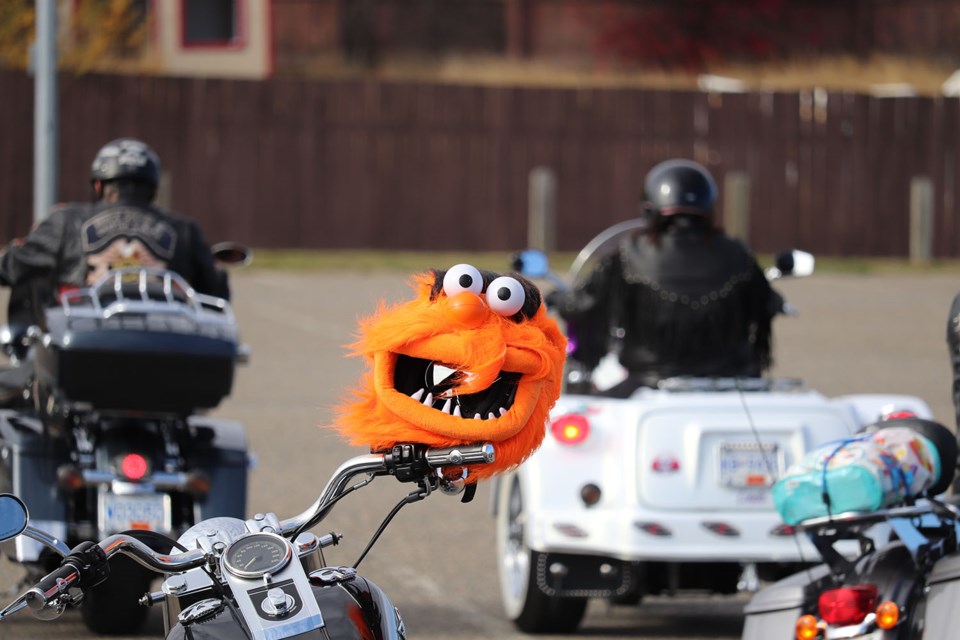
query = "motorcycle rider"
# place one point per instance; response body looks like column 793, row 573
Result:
column 953, row 348
column 78, row 243
column 683, row 298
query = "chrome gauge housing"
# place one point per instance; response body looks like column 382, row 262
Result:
column 256, row 555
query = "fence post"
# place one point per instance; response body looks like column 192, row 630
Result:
column 736, row 205
column 542, row 199
column 921, row 220
column 164, row 191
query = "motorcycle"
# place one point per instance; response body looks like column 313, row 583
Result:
column 902, row 583
column 260, row 578
column 663, row 492
column 109, row 434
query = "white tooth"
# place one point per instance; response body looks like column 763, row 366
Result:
column 417, row 395
column 428, row 401
column 446, row 406
column 502, row 411
column 491, row 416
column 441, row 373
column 456, row 411
column 477, row 416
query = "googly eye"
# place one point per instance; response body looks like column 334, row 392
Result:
column 505, row 296
column 461, row 278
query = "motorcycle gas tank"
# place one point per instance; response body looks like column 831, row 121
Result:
column 353, row 610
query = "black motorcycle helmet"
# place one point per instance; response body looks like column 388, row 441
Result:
column 126, row 159
column 679, row 187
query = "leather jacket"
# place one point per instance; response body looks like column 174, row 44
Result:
column 79, row 243
column 953, row 349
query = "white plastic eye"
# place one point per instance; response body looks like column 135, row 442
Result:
column 461, row 278
column 505, row 296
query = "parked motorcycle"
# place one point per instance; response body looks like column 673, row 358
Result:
column 110, row 434
column 902, row 583
column 662, row 492
column 261, row 578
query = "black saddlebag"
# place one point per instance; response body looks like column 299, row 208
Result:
column 29, row 458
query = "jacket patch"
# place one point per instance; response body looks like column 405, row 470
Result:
column 106, row 227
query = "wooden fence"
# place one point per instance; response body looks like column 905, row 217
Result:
column 368, row 164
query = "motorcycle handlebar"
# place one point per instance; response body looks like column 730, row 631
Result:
column 402, row 461
column 87, row 565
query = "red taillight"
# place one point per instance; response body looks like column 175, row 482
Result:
column 571, row 428
column 653, row 529
column 847, row 605
column 897, row 414
column 782, row 530
column 133, row 466
column 722, row 529
column 70, row 477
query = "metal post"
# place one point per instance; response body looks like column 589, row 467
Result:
column 921, row 220
column 542, row 203
column 45, row 110
column 736, row 205
column 164, row 196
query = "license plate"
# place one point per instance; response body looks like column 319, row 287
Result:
column 749, row 464
column 125, row 512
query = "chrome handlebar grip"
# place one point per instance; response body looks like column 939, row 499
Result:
column 470, row 454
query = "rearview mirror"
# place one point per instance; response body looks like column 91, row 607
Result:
column 793, row 263
column 13, row 516
column 531, row 263
column 232, row 254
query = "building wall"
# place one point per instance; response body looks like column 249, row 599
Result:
column 249, row 56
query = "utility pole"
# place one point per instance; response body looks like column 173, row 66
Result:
column 45, row 110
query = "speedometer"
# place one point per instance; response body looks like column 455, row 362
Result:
column 257, row 554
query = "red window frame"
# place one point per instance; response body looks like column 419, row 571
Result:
column 239, row 40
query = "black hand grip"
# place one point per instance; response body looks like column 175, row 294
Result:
column 58, row 581
column 86, row 566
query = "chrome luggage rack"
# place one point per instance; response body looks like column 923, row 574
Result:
column 146, row 292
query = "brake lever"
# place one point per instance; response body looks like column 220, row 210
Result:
column 14, row 607
column 41, row 607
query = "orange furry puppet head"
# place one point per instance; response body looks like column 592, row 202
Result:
column 473, row 358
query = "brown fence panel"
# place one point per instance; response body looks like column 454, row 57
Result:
column 362, row 163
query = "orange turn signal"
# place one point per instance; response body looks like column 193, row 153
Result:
column 888, row 615
column 807, row 628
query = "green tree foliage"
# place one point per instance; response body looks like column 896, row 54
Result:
column 16, row 32
column 100, row 32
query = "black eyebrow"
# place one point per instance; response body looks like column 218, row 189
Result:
column 533, row 298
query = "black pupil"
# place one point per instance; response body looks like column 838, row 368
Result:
column 503, row 293
column 465, row 281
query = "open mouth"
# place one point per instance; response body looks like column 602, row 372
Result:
column 434, row 384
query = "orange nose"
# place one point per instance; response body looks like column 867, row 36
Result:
column 466, row 309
